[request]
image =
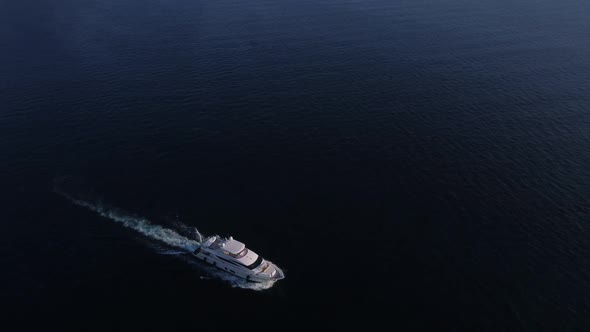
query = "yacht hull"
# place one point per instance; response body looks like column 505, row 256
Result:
column 235, row 269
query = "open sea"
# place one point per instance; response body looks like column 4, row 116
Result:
column 409, row 164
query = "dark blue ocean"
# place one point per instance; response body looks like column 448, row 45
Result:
column 418, row 165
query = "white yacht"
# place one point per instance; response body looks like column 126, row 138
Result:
column 233, row 256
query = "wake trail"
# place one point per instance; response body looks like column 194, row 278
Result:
column 138, row 224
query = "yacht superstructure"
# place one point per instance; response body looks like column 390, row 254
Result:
column 232, row 256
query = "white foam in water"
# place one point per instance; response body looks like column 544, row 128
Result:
column 141, row 225
column 171, row 252
column 167, row 236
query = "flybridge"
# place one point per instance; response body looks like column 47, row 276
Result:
column 234, row 247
